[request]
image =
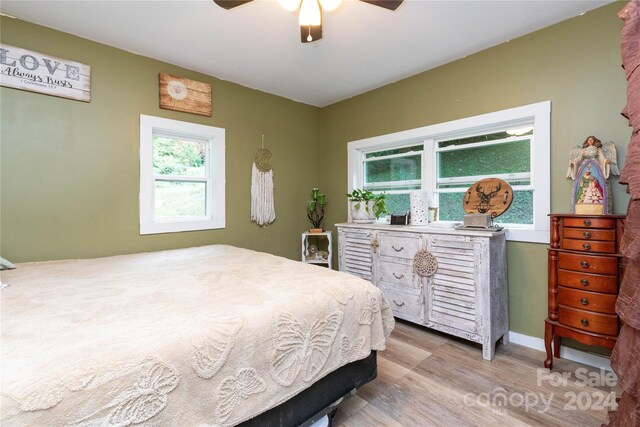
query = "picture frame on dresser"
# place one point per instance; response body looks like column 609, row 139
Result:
column 585, row 272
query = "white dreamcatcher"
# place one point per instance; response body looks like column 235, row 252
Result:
column 263, row 210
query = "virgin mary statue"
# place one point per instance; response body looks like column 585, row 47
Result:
column 590, row 167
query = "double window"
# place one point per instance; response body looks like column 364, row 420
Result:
column 182, row 176
column 447, row 158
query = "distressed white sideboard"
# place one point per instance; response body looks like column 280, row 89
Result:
column 466, row 297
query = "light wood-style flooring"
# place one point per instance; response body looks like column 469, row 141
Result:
column 429, row 379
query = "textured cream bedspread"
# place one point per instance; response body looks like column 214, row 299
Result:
column 201, row 336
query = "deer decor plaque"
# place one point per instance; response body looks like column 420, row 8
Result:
column 486, row 200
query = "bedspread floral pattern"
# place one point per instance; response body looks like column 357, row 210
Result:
column 187, row 349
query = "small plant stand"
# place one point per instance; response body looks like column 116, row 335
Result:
column 305, row 249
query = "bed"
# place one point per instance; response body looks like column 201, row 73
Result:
column 213, row 335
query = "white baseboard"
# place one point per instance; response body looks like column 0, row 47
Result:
column 594, row 360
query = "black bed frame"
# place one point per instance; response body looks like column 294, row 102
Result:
column 322, row 398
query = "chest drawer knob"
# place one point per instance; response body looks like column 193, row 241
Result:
column 586, row 246
column 584, row 282
column 586, row 235
column 396, row 249
column 584, row 301
column 586, row 222
column 398, row 276
column 585, row 264
column 399, row 304
column 584, row 322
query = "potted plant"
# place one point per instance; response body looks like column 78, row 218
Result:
column 315, row 211
column 366, row 206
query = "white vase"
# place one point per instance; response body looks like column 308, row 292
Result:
column 419, row 201
column 362, row 212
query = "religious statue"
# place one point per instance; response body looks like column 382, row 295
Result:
column 590, row 166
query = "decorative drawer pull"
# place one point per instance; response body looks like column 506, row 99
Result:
column 584, row 282
column 585, row 264
column 586, row 235
column 398, row 276
column 399, row 304
column 584, row 301
column 586, row 246
column 587, row 222
column 584, row 322
column 396, row 249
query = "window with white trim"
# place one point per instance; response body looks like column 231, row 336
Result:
column 182, row 176
column 447, row 158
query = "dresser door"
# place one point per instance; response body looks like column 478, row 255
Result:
column 355, row 253
column 452, row 298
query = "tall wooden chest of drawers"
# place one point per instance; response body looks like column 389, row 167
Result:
column 585, row 272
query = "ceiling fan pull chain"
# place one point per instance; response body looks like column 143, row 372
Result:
column 309, row 38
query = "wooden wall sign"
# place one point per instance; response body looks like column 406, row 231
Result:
column 38, row 72
column 180, row 94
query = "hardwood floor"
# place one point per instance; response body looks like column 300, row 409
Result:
column 429, row 379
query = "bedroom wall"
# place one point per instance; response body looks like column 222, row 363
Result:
column 575, row 64
column 69, row 169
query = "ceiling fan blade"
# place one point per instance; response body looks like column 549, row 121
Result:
column 387, row 4
column 315, row 31
column 230, row 4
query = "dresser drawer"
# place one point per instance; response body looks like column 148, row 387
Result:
column 586, row 320
column 398, row 275
column 592, row 301
column 404, row 303
column 588, row 222
column 399, row 246
column 589, row 246
column 589, row 234
column 588, row 282
column 588, row 263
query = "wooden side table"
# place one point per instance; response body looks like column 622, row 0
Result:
column 585, row 272
column 307, row 258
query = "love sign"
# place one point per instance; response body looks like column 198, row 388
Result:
column 37, row 72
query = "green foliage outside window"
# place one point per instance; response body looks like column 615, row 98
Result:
column 513, row 157
column 520, row 211
column 173, row 156
column 179, row 157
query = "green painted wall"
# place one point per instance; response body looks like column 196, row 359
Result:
column 69, row 169
column 575, row 64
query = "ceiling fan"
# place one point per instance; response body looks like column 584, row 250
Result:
column 310, row 12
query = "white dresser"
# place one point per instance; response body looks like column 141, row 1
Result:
column 467, row 296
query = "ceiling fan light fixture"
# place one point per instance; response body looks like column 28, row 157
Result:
column 289, row 5
column 310, row 13
column 330, row 5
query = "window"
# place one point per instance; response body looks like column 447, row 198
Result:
column 182, row 177
column 504, row 154
column 445, row 159
column 395, row 172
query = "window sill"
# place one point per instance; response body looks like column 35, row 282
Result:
column 180, row 226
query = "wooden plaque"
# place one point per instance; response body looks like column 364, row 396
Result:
column 37, row 72
column 491, row 196
column 180, row 94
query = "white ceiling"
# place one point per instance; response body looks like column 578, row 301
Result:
column 258, row 44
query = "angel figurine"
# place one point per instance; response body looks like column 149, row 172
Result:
column 590, row 167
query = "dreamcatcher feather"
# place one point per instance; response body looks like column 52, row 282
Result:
column 263, row 211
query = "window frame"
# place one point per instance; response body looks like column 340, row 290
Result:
column 214, row 179
column 538, row 115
